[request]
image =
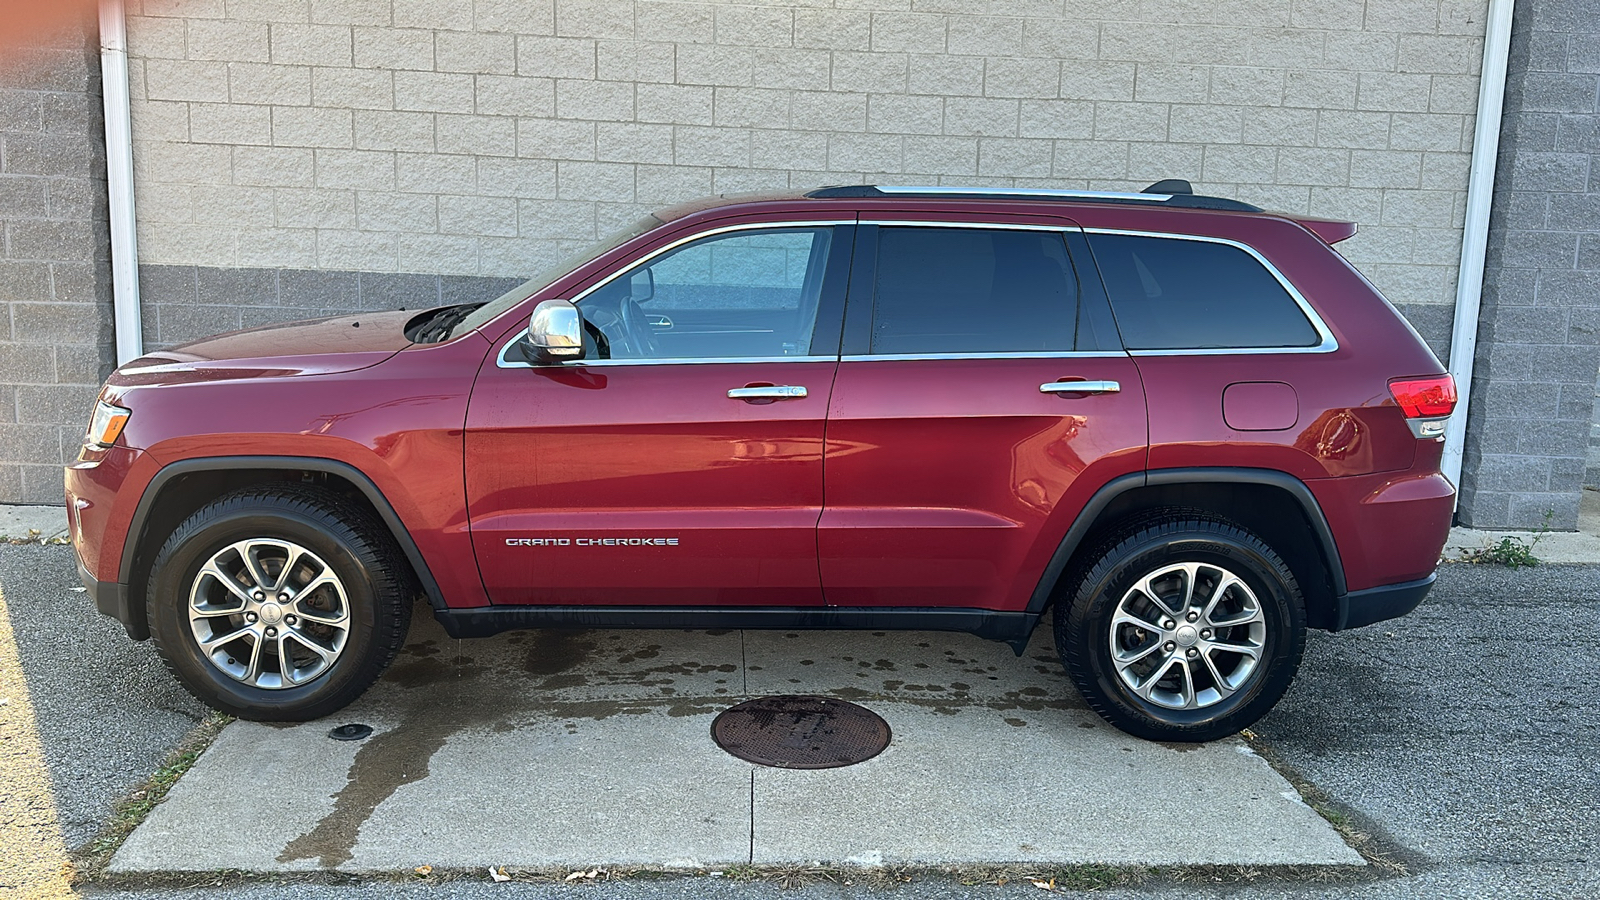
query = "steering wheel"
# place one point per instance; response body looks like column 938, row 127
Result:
column 640, row 338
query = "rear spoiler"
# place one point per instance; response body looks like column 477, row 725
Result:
column 1331, row 230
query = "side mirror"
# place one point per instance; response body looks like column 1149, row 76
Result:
column 555, row 331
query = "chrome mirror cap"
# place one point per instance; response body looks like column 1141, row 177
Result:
column 555, row 330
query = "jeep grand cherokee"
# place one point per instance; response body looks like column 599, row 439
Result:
column 1185, row 425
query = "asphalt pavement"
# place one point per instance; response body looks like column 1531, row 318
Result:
column 1463, row 738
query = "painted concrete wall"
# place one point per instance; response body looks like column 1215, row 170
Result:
column 459, row 138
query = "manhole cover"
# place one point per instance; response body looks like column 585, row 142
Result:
column 801, row 732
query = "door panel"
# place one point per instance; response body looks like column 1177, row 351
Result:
column 950, row 481
column 637, row 479
column 703, row 332
column 647, row 485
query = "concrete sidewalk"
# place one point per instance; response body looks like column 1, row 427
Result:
column 581, row 749
column 20, row 522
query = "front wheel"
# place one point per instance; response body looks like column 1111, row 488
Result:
column 279, row 603
column 1185, row 630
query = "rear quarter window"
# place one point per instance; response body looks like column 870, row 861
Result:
column 1172, row 293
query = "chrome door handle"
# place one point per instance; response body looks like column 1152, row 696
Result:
column 772, row 392
column 661, row 322
column 1080, row 387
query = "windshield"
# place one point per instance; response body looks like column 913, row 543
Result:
column 523, row 291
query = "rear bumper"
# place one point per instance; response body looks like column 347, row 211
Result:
column 111, row 598
column 1391, row 601
column 1389, row 526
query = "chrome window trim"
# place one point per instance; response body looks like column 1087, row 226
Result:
column 503, row 363
column 1327, row 343
column 1042, row 354
column 914, row 190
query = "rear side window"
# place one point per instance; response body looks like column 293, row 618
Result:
column 973, row 290
column 1181, row 294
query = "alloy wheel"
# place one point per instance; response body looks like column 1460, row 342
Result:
column 269, row 613
column 1188, row 636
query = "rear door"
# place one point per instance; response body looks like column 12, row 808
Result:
column 958, row 450
column 681, row 464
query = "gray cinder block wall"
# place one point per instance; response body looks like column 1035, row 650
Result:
column 1533, row 385
column 56, row 342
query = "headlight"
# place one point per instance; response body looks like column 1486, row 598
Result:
column 106, row 425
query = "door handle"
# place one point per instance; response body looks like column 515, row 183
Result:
column 1080, row 387
column 768, row 392
column 661, row 322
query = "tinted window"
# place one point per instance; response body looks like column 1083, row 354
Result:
column 743, row 294
column 1175, row 294
column 972, row 290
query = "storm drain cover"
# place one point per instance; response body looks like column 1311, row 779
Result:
column 792, row 732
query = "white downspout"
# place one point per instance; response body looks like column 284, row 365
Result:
column 119, row 182
column 1475, row 239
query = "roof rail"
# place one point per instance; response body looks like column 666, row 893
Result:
column 1172, row 192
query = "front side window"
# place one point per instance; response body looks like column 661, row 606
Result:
column 745, row 294
column 973, row 291
column 1173, row 293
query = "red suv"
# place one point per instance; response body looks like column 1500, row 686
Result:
column 1186, row 426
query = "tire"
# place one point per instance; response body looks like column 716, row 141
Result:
column 1152, row 670
column 344, row 609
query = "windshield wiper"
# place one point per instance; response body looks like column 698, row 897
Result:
column 438, row 328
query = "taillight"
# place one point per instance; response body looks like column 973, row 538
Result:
column 1425, row 398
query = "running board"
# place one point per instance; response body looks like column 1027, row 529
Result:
column 1013, row 628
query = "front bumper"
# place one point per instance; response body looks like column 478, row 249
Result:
column 1391, row 601
column 111, row 598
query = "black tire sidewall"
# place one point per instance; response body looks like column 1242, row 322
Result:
column 173, row 576
column 1085, row 641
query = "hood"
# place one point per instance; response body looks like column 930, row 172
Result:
column 315, row 347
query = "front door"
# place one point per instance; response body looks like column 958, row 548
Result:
column 981, row 397
column 681, row 464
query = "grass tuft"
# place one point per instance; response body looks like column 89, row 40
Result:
column 1511, row 551
column 127, row 813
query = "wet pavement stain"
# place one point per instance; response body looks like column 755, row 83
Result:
column 382, row 765
column 430, row 670
column 552, row 651
column 649, row 652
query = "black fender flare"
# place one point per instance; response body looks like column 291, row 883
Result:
column 1200, row 475
column 135, row 610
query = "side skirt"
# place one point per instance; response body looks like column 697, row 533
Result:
column 1013, row 628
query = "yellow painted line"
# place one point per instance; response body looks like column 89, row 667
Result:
column 33, row 853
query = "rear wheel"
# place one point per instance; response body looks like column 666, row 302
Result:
column 1183, row 630
column 279, row 603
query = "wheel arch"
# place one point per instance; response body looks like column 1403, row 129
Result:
column 181, row 488
column 1276, row 506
